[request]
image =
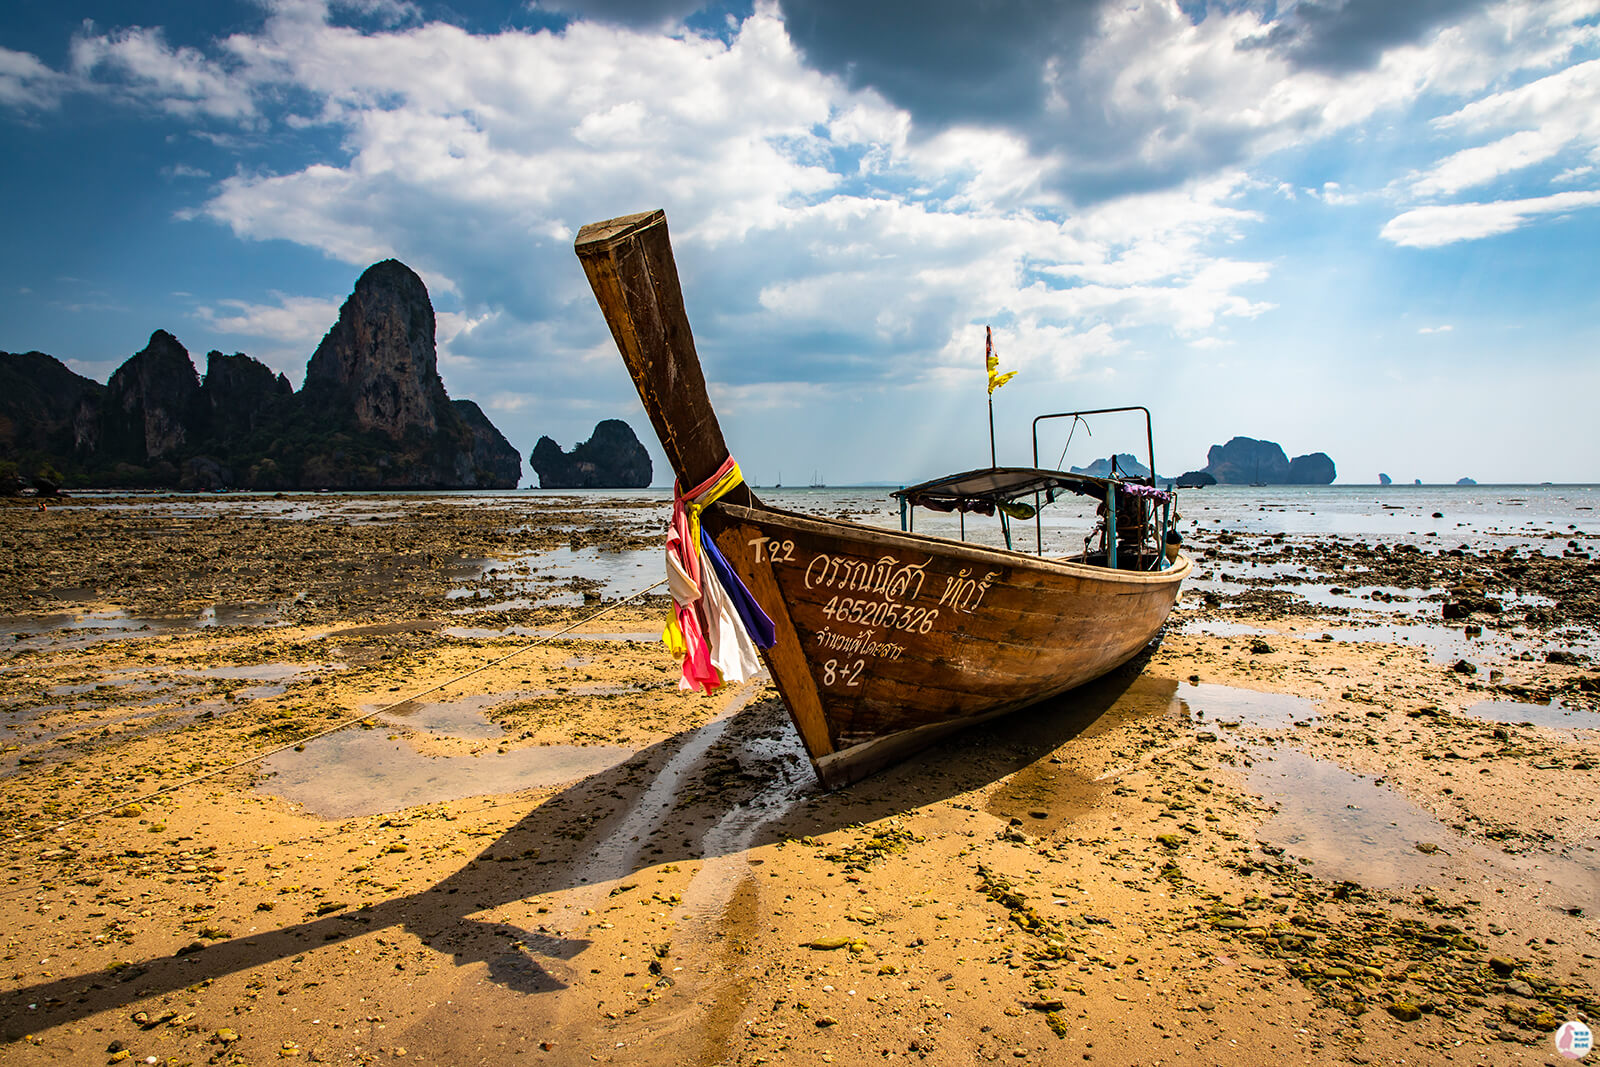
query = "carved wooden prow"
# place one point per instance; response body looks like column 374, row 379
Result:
column 630, row 266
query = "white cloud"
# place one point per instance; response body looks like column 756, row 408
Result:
column 298, row 319
column 321, row 207
column 1430, row 227
column 26, row 83
column 1541, row 100
column 386, row 12
column 1157, row 96
column 182, row 170
column 1475, row 166
column 508, row 403
column 1435, row 329
column 1334, row 195
column 474, row 156
column 181, row 81
column 1554, row 113
column 774, row 396
column 451, row 327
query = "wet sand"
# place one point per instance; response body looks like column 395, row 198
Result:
column 1318, row 821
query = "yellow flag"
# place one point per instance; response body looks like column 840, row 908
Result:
column 992, row 361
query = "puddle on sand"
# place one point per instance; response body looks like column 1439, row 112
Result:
column 467, row 717
column 121, row 683
column 385, row 629
column 562, row 576
column 1352, row 828
column 1445, row 644
column 1349, row 826
column 1552, row 714
column 649, row 637
column 258, row 672
column 87, row 735
column 450, row 718
column 1224, row 705
column 1046, row 794
column 19, row 719
column 478, row 633
column 363, row 772
column 484, row 633
column 1222, row 628
column 119, row 624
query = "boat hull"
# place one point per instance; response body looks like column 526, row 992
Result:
column 887, row 641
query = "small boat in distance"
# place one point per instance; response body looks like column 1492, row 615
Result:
column 887, row 640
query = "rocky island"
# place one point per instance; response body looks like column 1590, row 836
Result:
column 1247, row 461
column 1242, row 461
column 612, row 458
column 1125, row 463
column 372, row 414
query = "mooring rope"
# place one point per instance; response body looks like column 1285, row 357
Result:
column 97, row 813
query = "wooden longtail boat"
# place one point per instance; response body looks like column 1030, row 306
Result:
column 886, row 640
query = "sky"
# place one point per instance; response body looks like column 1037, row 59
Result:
column 1358, row 227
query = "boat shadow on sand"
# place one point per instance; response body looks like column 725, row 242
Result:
column 753, row 787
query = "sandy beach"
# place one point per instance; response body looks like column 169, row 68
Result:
column 1322, row 820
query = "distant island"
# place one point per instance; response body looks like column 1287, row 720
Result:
column 1384, row 479
column 1242, row 461
column 1247, row 461
column 372, row 414
column 612, row 458
column 1125, row 462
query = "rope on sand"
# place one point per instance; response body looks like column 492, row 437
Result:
column 97, row 813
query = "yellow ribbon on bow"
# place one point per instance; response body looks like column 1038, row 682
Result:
column 672, row 637
column 719, row 489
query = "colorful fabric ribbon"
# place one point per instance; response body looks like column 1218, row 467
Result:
column 1137, row 489
column 716, row 625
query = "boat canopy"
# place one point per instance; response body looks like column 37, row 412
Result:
column 988, row 488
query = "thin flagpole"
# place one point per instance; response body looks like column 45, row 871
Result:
column 988, row 369
column 992, row 461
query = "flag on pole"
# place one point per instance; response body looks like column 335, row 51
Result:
column 992, row 360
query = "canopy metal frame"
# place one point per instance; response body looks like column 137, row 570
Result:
column 987, row 488
column 1150, row 464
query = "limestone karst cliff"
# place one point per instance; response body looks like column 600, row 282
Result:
column 373, row 413
column 378, row 366
column 1247, row 461
column 612, row 458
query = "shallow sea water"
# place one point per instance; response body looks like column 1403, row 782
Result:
column 1549, row 519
